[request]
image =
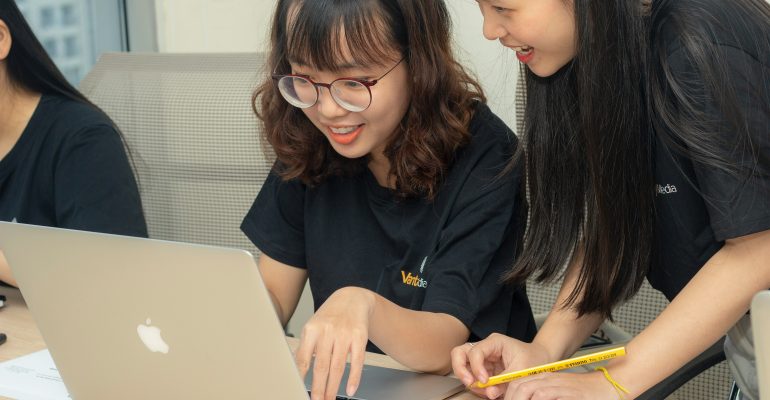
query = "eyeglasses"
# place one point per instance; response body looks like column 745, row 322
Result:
column 351, row 94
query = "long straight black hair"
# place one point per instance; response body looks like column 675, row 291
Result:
column 28, row 64
column 589, row 140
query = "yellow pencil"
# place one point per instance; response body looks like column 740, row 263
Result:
column 551, row 367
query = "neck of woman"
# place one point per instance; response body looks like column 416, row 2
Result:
column 16, row 109
column 380, row 167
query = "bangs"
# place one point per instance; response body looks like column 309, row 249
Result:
column 333, row 34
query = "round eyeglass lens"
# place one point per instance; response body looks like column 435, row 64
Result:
column 299, row 92
column 351, row 95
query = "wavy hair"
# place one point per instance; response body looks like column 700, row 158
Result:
column 590, row 135
column 443, row 94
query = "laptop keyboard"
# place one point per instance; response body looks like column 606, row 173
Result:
column 336, row 398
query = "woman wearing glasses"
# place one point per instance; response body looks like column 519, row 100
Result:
column 62, row 161
column 390, row 192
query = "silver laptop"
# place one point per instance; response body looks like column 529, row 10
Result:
column 129, row 318
column 760, row 326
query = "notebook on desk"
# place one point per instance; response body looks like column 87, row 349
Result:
column 130, row 318
column 760, row 326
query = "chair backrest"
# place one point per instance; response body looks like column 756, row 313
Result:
column 194, row 140
column 633, row 316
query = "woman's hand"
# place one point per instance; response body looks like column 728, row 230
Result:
column 492, row 356
column 498, row 354
column 339, row 327
column 562, row 386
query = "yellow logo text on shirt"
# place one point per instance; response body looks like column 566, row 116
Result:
column 413, row 280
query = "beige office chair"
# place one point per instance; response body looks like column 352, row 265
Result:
column 193, row 138
column 705, row 378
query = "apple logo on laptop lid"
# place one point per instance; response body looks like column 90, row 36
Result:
column 150, row 336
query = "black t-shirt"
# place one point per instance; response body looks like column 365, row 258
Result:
column 69, row 169
column 698, row 206
column 445, row 256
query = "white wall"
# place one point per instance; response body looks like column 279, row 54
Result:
column 495, row 66
column 191, row 26
column 243, row 25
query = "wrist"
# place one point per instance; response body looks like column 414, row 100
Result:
column 562, row 335
column 551, row 350
column 612, row 385
column 358, row 295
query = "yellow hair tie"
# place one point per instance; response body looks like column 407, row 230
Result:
column 618, row 387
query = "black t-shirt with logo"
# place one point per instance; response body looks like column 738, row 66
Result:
column 445, row 256
column 69, row 170
column 698, row 206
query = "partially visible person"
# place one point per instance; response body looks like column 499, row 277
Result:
column 62, row 160
column 648, row 156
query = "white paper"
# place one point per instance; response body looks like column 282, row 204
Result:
column 32, row 377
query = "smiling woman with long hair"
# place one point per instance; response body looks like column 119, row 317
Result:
column 648, row 156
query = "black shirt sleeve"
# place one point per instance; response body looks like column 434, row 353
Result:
column 275, row 222
column 94, row 187
column 478, row 245
column 467, row 248
column 738, row 201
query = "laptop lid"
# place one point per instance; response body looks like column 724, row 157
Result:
column 760, row 323
column 128, row 318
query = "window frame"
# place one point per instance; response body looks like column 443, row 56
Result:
column 140, row 26
column 104, row 15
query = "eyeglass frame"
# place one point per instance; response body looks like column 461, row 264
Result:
column 318, row 85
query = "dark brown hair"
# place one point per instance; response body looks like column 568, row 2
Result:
column 443, row 94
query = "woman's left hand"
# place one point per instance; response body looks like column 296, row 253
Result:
column 339, row 327
column 562, row 386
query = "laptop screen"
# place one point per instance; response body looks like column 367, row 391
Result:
column 760, row 322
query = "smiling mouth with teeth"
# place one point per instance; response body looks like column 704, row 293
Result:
column 344, row 134
column 523, row 49
column 344, row 131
